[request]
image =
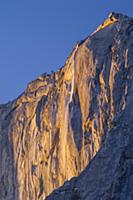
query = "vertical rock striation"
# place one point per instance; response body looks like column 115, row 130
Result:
column 109, row 175
column 55, row 128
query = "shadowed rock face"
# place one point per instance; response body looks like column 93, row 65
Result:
column 109, row 175
column 56, row 127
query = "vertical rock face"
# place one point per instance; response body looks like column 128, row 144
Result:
column 109, row 175
column 56, row 127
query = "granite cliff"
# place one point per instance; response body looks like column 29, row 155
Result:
column 78, row 118
column 109, row 175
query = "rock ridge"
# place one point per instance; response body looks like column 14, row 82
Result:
column 66, row 122
column 108, row 176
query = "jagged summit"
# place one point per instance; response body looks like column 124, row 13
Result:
column 118, row 16
column 114, row 18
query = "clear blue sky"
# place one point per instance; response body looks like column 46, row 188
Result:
column 36, row 36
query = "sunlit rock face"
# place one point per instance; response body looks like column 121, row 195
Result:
column 109, row 176
column 56, row 127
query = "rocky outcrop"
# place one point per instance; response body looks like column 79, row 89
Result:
column 109, row 174
column 56, row 127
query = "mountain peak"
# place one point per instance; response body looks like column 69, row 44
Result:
column 113, row 18
column 118, row 16
column 79, row 116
